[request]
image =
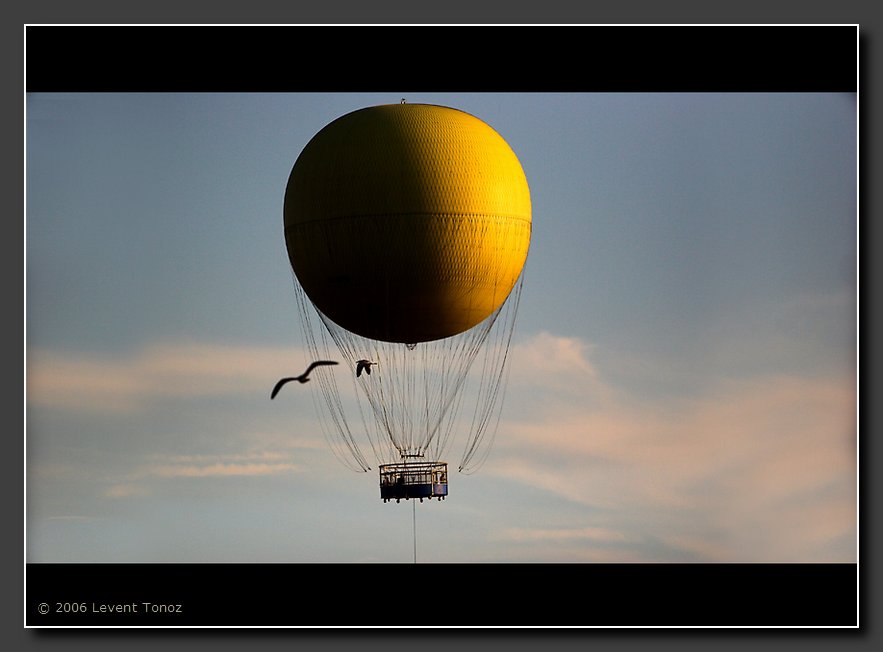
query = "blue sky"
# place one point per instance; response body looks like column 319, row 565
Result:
column 683, row 379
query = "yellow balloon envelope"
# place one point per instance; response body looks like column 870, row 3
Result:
column 407, row 222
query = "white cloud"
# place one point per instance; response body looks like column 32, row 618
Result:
column 218, row 469
column 257, row 463
column 121, row 384
column 549, row 355
column 558, row 369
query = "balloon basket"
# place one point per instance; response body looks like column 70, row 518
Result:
column 418, row 480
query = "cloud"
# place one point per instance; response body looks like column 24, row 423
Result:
column 757, row 469
column 569, row 545
column 558, row 368
column 140, row 476
column 261, row 463
column 551, row 356
column 126, row 383
column 72, row 518
column 126, row 490
column 586, row 533
column 219, row 469
column 752, row 468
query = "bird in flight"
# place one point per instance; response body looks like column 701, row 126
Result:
column 303, row 378
column 363, row 365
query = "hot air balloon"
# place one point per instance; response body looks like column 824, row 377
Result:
column 407, row 227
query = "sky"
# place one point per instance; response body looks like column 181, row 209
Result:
column 683, row 381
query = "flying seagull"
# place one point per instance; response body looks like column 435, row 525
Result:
column 363, row 365
column 303, row 378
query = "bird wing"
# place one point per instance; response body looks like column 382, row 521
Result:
column 359, row 366
column 317, row 363
column 279, row 386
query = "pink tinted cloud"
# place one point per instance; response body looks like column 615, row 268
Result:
column 762, row 468
column 124, row 383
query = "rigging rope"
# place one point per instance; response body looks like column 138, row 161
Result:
column 410, row 402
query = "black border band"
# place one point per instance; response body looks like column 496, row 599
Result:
column 443, row 595
column 441, row 58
